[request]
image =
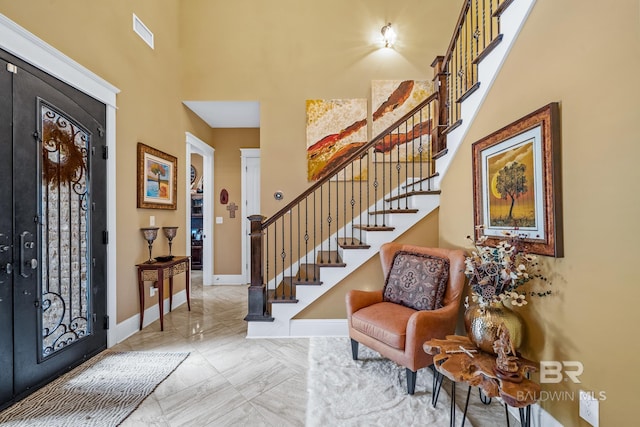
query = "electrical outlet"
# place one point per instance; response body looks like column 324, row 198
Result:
column 152, row 291
column 589, row 408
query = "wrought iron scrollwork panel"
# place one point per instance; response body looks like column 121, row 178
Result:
column 64, row 188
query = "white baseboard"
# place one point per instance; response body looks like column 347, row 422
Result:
column 539, row 417
column 229, row 279
column 319, row 328
column 126, row 328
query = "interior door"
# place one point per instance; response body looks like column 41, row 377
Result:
column 57, row 216
column 251, row 201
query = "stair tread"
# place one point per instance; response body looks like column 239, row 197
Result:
column 440, row 153
column 393, row 211
column 352, row 243
column 308, row 274
column 329, row 259
column 374, row 227
column 285, row 293
column 417, row 182
column 412, row 193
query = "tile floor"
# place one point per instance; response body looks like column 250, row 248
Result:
column 227, row 380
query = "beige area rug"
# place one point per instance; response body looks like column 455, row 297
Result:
column 100, row 392
column 372, row 391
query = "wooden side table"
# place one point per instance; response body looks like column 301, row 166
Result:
column 156, row 272
column 477, row 368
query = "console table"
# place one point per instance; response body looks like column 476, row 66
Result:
column 457, row 358
column 158, row 271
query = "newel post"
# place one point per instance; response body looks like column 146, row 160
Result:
column 257, row 288
column 442, row 114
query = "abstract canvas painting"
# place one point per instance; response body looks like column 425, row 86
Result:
column 335, row 129
column 391, row 100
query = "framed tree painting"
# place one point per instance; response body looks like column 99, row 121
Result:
column 157, row 178
column 517, row 182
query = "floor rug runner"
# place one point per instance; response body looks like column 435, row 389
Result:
column 372, row 391
column 101, row 392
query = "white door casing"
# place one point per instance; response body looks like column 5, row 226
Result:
column 250, row 187
column 194, row 145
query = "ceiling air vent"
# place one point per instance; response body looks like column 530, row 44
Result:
column 142, row 30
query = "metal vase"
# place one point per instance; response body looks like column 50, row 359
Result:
column 150, row 234
column 482, row 325
column 170, row 233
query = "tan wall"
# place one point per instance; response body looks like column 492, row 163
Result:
column 98, row 35
column 586, row 56
column 228, row 235
column 282, row 53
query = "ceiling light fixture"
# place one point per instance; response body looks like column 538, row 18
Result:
column 388, row 35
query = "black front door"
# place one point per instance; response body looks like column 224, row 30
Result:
column 52, row 220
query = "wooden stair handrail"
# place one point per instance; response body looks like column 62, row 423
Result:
column 456, row 32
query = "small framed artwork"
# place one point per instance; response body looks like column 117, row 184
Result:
column 157, row 178
column 517, row 182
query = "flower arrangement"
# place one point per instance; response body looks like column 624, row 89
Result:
column 497, row 273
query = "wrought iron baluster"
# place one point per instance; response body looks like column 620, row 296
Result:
column 306, row 230
column 329, row 220
column 484, row 24
column 337, row 212
column 360, row 196
column 315, row 222
column 321, row 222
column 283, row 255
column 491, row 34
column 421, row 148
column 353, row 200
column 266, row 261
column 498, row 24
column 429, row 148
column 291, row 253
column 398, row 167
column 375, row 188
column 344, row 191
column 298, row 207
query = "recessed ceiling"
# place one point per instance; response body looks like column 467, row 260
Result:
column 227, row 114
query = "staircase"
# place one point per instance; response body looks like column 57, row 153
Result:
column 336, row 225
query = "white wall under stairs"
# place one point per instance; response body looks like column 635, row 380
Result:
column 284, row 325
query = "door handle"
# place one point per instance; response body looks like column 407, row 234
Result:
column 8, row 268
column 25, row 244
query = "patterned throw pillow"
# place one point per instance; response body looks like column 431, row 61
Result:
column 417, row 281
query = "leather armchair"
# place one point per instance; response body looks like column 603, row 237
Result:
column 403, row 329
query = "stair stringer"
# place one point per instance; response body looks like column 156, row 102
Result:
column 511, row 22
column 354, row 258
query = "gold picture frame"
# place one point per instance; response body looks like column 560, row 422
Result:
column 157, row 178
column 517, row 182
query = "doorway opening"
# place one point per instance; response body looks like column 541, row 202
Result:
column 199, row 242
